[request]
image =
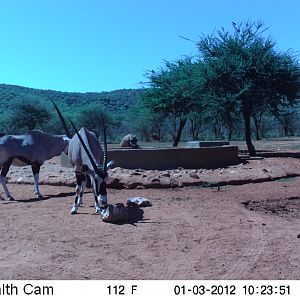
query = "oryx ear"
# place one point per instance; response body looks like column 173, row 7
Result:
column 66, row 138
column 110, row 164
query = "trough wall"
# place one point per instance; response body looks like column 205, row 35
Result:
column 195, row 144
column 172, row 158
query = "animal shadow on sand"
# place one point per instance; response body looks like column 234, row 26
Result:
column 135, row 214
column 44, row 198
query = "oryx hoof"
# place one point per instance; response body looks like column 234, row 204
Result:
column 74, row 211
column 38, row 195
column 11, row 198
column 103, row 205
column 98, row 210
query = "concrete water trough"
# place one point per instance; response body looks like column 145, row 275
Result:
column 172, row 158
column 197, row 144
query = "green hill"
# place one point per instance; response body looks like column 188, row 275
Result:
column 116, row 102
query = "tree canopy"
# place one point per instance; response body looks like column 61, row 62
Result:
column 236, row 73
column 28, row 115
column 174, row 92
column 245, row 71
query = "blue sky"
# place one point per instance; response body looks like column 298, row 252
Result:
column 103, row 45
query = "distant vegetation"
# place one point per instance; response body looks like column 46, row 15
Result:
column 239, row 87
column 17, row 113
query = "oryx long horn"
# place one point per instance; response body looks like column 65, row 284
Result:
column 86, row 149
column 105, row 145
column 62, row 120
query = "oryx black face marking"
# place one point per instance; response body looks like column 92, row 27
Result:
column 102, row 185
column 100, row 189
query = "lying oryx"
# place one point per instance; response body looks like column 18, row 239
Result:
column 85, row 154
column 129, row 140
column 32, row 148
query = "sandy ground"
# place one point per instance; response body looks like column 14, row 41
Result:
column 241, row 231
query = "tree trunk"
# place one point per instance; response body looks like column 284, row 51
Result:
column 257, row 123
column 286, row 130
column 257, row 136
column 195, row 128
column 230, row 132
column 287, row 125
column 257, row 129
column 251, row 149
column 179, row 132
column 159, row 134
column 192, row 129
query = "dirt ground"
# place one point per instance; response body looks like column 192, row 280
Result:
column 241, row 231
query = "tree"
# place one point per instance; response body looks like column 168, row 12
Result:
column 173, row 93
column 144, row 122
column 245, row 69
column 286, row 115
column 91, row 118
column 197, row 122
column 28, row 114
column 257, row 116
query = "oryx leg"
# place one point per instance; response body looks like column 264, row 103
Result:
column 83, row 186
column 88, row 181
column 94, row 185
column 36, row 172
column 4, row 171
column 97, row 206
column 80, row 186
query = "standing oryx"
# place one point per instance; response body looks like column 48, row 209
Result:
column 85, row 154
column 32, row 148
